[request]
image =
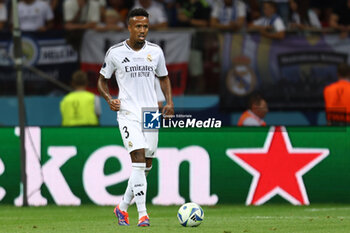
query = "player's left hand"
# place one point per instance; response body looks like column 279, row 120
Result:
column 168, row 111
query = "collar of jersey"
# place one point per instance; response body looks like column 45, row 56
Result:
column 126, row 44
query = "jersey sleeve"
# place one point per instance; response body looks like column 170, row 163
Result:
column 161, row 17
column 161, row 69
column 108, row 66
column 314, row 21
column 259, row 22
column 215, row 13
column 241, row 9
column 69, row 11
column 3, row 13
column 94, row 12
column 279, row 25
column 48, row 14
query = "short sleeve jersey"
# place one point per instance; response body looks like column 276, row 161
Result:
column 3, row 12
column 156, row 12
column 275, row 21
column 312, row 19
column 33, row 16
column 227, row 14
column 135, row 72
column 90, row 12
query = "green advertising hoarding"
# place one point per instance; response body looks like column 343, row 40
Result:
column 72, row 166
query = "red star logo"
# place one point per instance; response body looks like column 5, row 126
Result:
column 277, row 168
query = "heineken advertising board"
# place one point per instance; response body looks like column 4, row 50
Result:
column 73, row 166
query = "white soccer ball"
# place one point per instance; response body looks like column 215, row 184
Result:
column 190, row 215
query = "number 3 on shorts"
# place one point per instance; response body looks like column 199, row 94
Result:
column 126, row 132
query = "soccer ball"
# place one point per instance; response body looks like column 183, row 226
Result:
column 190, row 215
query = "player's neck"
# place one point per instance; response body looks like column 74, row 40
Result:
column 135, row 45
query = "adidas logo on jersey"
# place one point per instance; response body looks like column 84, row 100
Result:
column 139, row 193
column 125, row 60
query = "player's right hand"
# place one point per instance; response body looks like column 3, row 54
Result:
column 114, row 104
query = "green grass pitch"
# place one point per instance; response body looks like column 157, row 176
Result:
column 218, row 219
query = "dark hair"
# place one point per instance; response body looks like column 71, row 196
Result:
column 79, row 79
column 271, row 3
column 137, row 12
column 343, row 70
column 254, row 98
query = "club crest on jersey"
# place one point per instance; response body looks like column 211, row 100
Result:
column 151, row 119
column 149, row 57
column 130, row 144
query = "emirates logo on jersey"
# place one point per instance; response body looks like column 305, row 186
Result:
column 139, row 71
column 138, row 68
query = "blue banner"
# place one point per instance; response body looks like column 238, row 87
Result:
column 47, row 51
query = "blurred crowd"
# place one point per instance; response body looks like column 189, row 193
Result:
column 271, row 18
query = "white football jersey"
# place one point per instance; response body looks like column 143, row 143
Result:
column 135, row 72
column 33, row 16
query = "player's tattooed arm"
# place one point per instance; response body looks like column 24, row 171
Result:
column 168, row 109
column 102, row 86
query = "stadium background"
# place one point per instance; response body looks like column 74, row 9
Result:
column 294, row 89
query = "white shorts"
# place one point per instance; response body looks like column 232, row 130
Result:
column 134, row 138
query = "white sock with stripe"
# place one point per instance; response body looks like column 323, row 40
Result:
column 129, row 194
column 139, row 187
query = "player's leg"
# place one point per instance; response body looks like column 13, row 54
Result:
column 139, row 184
column 129, row 194
column 137, row 187
column 151, row 139
column 133, row 140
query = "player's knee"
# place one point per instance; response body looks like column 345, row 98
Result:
column 138, row 156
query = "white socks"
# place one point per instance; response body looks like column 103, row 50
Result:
column 129, row 194
column 137, row 187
